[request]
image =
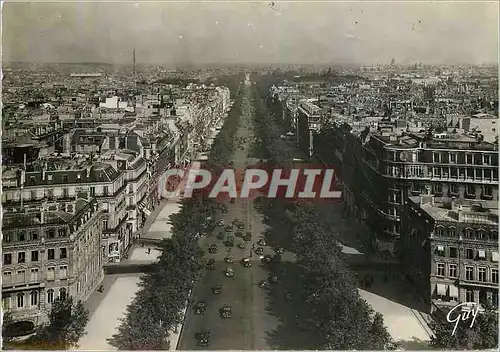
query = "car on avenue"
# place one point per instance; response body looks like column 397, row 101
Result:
column 203, row 338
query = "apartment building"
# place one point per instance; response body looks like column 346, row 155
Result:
column 60, row 179
column 134, row 168
column 50, row 249
column 392, row 166
column 451, row 250
column 308, row 123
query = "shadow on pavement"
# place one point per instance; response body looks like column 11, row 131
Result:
column 288, row 335
column 391, row 286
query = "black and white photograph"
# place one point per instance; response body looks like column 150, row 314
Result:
column 250, row 175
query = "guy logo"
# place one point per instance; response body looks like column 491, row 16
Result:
column 456, row 314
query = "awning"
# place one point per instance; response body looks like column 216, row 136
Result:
column 142, row 204
column 481, row 254
column 494, row 256
column 441, row 289
column 453, row 291
column 440, row 248
column 146, row 211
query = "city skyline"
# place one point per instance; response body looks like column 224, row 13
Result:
column 187, row 33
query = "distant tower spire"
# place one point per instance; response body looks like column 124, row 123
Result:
column 135, row 78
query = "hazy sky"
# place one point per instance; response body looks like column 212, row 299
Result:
column 251, row 32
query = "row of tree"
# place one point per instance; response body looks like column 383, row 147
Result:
column 331, row 308
column 158, row 307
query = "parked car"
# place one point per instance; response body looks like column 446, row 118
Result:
column 248, row 236
column 225, row 312
column 220, row 222
column 230, row 241
column 228, row 228
column 247, row 262
column 203, row 338
column 217, row 289
column 273, row 279
column 263, row 284
column 200, row 308
column 229, row 259
column 280, row 250
column 229, row 272
column 213, row 249
column 210, row 264
column 241, row 246
column 238, row 234
column 241, row 226
column 259, row 250
column 220, row 236
column 267, row 259
column 262, row 242
column 235, row 222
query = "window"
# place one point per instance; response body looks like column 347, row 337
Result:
column 34, row 236
column 453, row 252
column 63, row 253
column 6, row 302
column 62, row 294
column 34, row 275
column 7, row 238
column 453, row 158
column 62, row 232
column 92, row 191
column 470, row 190
column 21, row 257
column 50, row 193
column 34, row 298
column 51, row 254
column 33, row 194
column 105, row 190
column 65, row 179
column 21, row 236
column 7, row 277
column 51, row 233
column 469, row 159
column 486, row 159
column 439, row 231
column 480, row 234
column 440, row 250
column 51, row 273
column 453, row 271
column 20, row 300
column 65, row 193
column 469, row 273
column 436, row 171
column 34, row 256
column 436, row 157
column 453, row 189
column 21, row 276
column 482, row 274
column 440, row 269
column 468, row 233
column 469, row 253
column 7, row 259
column 494, row 276
column 487, row 191
column 437, row 188
column 452, row 232
column 469, row 296
column 50, row 296
column 63, row 272
column 105, row 224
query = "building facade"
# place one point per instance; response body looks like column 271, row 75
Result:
column 50, row 250
column 451, row 250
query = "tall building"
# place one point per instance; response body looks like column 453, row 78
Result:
column 451, row 250
column 50, row 249
column 308, row 123
column 390, row 167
